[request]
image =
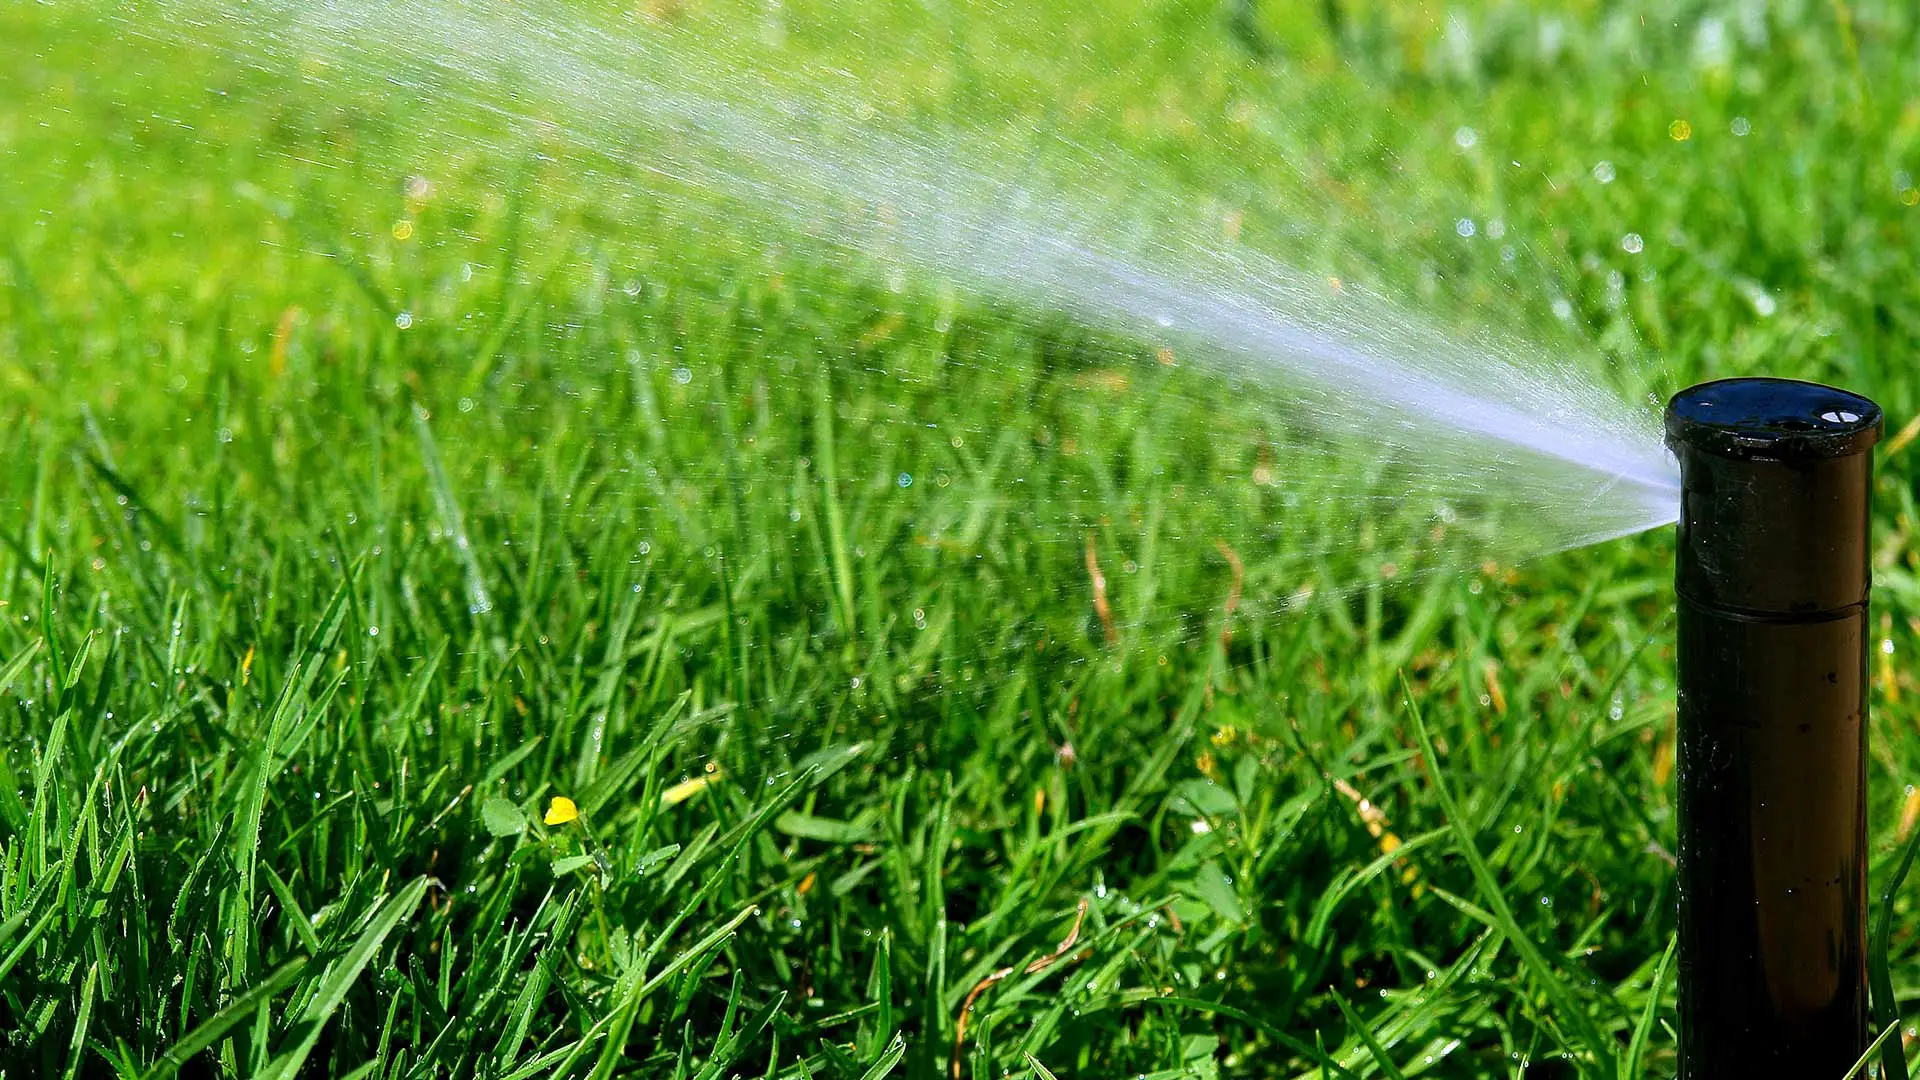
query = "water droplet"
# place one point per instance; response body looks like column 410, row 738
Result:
column 1464, row 137
column 1604, row 172
column 1464, row 227
column 1632, row 243
column 905, row 480
column 404, row 320
column 682, row 375
column 1740, row 126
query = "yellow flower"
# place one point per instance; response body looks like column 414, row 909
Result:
column 561, row 810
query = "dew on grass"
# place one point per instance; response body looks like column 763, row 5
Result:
column 1604, row 172
column 1632, row 244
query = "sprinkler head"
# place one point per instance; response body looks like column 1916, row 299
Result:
column 1772, row 578
column 1774, row 487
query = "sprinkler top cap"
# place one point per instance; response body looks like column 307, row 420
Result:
column 1776, row 481
column 1772, row 419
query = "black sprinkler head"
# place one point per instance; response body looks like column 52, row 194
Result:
column 1772, row 577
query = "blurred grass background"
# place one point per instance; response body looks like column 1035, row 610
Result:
column 377, row 472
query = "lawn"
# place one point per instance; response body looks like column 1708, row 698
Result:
column 937, row 686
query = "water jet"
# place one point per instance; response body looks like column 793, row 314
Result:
column 1772, row 577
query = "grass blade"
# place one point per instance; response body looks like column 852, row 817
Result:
column 1565, row 1005
column 895, row 1051
column 1860, row 1065
column 1365, row 1034
column 1886, row 1007
column 1638, row 1047
column 237, row 1011
column 339, row 978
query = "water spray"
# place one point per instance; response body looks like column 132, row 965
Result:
column 1772, row 576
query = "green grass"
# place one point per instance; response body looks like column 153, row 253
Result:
column 305, row 617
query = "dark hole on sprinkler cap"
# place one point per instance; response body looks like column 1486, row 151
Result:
column 1781, row 419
